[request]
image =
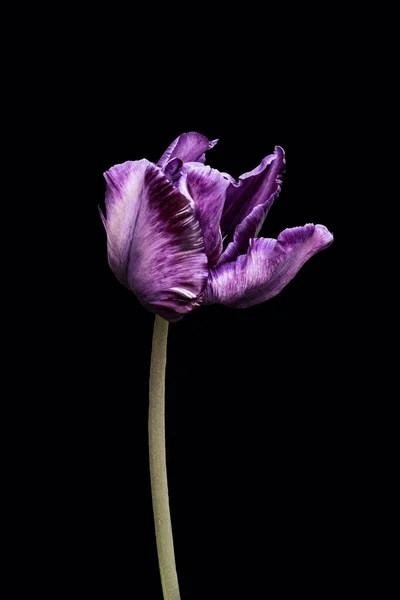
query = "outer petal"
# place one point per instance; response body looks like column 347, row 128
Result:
column 267, row 267
column 189, row 147
column 155, row 245
column 260, row 186
column 122, row 200
column 206, row 187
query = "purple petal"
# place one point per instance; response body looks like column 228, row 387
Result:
column 267, row 267
column 189, row 147
column 172, row 170
column 247, row 229
column 260, row 186
column 155, row 245
column 206, row 187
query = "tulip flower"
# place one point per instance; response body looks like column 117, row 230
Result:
column 180, row 235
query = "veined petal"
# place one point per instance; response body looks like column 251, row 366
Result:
column 206, row 187
column 260, row 186
column 189, row 147
column 155, row 244
column 247, row 229
column 172, row 170
column 267, row 267
column 122, row 200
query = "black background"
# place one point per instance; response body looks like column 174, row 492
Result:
column 258, row 427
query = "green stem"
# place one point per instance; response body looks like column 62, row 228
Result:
column 158, row 466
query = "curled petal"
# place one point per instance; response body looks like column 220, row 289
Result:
column 259, row 187
column 188, row 147
column 206, row 187
column 172, row 170
column 267, row 267
column 247, row 229
column 155, row 245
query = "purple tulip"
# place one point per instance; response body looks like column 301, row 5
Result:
column 181, row 234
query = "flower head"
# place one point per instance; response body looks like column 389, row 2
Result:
column 181, row 234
